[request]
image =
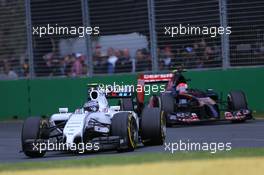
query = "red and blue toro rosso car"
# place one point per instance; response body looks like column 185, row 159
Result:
column 182, row 104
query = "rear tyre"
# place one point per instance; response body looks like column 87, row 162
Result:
column 155, row 101
column 124, row 126
column 167, row 105
column 34, row 128
column 153, row 125
column 127, row 104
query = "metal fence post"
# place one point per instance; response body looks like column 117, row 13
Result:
column 88, row 43
column 224, row 38
column 153, row 35
column 29, row 38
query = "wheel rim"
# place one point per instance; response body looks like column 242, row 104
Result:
column 43, row 125
column 132, row 134
column 163, row 126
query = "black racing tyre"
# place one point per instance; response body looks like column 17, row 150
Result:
column 153, row 125
column 167, row 104
column 127, row 104
column 155, row 101
column 236, row 100
column 32, row 130
column 124, row 126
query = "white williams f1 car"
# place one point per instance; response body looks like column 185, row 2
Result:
column 96, row 126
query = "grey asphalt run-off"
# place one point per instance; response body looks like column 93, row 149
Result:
column 242, row 135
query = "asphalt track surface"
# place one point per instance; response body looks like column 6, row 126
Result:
column 243, row 135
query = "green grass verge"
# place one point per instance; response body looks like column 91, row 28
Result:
column 121, row 159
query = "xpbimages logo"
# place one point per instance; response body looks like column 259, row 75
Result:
column 64, row 30
column 173, row 31
column 187, row 145
column 121, row 87
column 51, row 146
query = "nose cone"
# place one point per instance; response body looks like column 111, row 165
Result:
column 74, row 128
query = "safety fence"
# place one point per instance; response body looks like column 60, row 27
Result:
column 78, row 38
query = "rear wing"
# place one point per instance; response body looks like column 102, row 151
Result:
column 144, row 79
column 155, row 78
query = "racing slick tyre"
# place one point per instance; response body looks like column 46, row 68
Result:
column 34, row 128
column 155, row 101
column 167, row 105
column 124, row 126
column 236, row 100
column 153, row 126
column 126, row 104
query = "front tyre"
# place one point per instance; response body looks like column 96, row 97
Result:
column 167, row 105
column 34, row 129
column 124, row 126
column 236, row 100
column 153, row 125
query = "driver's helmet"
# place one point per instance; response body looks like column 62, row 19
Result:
column 91, row 106
column 182, row 88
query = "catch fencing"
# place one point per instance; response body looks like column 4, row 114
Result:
column 79, row 38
